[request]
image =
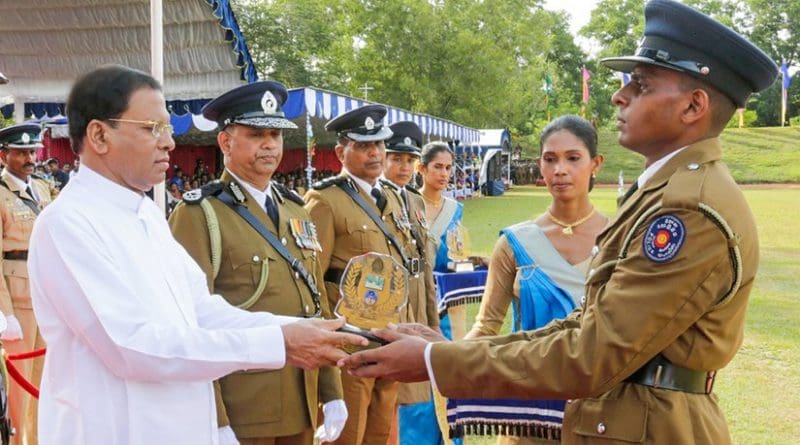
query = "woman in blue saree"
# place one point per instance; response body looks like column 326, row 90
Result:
column 538, row 267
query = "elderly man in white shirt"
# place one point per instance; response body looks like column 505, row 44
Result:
column 134, row 337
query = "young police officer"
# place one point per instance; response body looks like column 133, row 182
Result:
column 669, row 282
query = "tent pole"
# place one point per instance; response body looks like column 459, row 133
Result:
column 19, row 110
column 309, row 148
column 157, row 70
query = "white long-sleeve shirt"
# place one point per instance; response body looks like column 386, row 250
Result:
column 134, row 338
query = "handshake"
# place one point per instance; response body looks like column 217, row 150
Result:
column 314, row 343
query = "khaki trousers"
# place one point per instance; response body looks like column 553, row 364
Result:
column 305, row 437
column 371, row 404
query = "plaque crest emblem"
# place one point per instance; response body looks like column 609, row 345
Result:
column 373, row 289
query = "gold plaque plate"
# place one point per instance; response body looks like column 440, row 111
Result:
column 458, row 249
column 373, row 289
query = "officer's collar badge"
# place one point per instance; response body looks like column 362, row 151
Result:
column 237, row 193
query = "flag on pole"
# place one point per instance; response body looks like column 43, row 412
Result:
column 548, row 88
column 586, row 76
column 548, row 84
column 787, row 80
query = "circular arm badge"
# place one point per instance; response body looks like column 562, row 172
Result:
column 664, row 238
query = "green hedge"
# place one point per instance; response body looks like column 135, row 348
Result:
column 754, row 155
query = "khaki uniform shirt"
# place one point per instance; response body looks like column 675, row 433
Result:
column 18, row 214
column 689, row 307
column 260, row 403
column 421, row 306
column 346, row 231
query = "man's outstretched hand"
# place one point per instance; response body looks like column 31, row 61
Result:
column 403, row 359
column 313, row 343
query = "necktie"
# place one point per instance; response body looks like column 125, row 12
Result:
column 272, row 210
column 30, row 193
column 630, row 192
column 380, row 200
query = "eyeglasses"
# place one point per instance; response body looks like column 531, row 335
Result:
column 158, row 128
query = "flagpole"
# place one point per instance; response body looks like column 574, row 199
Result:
column 547, row 105
column 783, row 99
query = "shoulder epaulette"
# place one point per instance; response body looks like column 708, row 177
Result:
column 195, row 196
column 327, row 182
column 38, row 176
column 390, row 184
column 291, row 195
column 685, row 187
column 413, row 190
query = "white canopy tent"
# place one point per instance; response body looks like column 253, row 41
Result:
column 494, row 142
column 48, row 43
column 197, row 50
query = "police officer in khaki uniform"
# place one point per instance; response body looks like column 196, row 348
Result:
column 402, row 154
column 416, row 413
column 346, row 230
column 669, row 282
column 23, row 196
column 255, row 272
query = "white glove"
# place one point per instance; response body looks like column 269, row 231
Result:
column 227, row 436
column 335, row 416
column 13, row 331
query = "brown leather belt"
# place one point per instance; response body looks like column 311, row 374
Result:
column 661, row 373
column 21, row 255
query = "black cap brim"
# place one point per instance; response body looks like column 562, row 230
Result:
column 626, row 64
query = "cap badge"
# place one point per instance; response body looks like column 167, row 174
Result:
column 407, row 140
column 369, row 124
column 268, row 103
column 26, row 138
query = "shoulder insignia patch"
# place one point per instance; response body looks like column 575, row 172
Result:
column 291, row 195
column 664, row 238
column 197, row 195
column 327, row 182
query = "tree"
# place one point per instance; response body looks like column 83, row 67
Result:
column 477, row 62
column 616, row 25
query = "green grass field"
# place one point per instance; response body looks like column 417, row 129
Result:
column 760, row 390
column 754, row 155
